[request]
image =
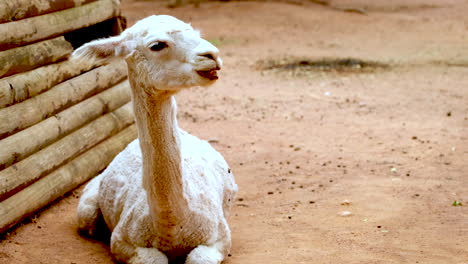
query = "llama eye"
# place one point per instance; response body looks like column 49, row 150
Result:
column 158, row 46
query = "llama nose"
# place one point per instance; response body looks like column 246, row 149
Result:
column 209, row 56
column 207, row 50
column 212, row 56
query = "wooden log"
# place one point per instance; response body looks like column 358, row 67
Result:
column 25, row 172
column 21, row 86
column 12, row 10
column 19, row 116
column 22, row 144
column 63, row 180
column 33, row 56
column 33, row 29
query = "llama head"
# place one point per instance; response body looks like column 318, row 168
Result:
column 162, row 52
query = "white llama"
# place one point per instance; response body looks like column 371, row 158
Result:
column 165, row 197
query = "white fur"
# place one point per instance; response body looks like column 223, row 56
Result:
column 167, row 195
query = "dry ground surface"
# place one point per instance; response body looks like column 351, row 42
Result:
column 301, row 138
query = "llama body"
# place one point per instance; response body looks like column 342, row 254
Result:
column 167, row 195
column 123, row 202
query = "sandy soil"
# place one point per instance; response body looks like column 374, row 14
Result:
column 391, row 141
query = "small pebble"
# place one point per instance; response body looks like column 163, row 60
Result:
column 345, row 202
column 345, row 213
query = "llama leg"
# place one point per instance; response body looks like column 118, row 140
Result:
column 204, row 255
column 148, row 256
column 213, row 254
column 88, row 211
column 127, row 253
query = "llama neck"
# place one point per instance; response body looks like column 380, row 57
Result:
column 159, row 140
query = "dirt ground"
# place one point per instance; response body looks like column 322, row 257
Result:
column 392, row 141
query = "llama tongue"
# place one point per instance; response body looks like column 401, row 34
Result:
column 211, row 74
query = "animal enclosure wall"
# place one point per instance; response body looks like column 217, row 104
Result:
column 61, row 122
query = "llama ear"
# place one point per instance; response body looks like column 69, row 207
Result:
column 102, row 50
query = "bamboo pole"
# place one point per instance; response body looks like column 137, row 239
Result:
column 22, row 144
column 40, row 107
column 32, row 29
column 23, row 173
column 12, row 10
column 21, row 86
column 62, row 180
column 33, row 56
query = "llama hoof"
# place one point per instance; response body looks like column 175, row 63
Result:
column 204, row 255
column 148, row 256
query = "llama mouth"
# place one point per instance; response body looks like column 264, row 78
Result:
column 210, row 74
